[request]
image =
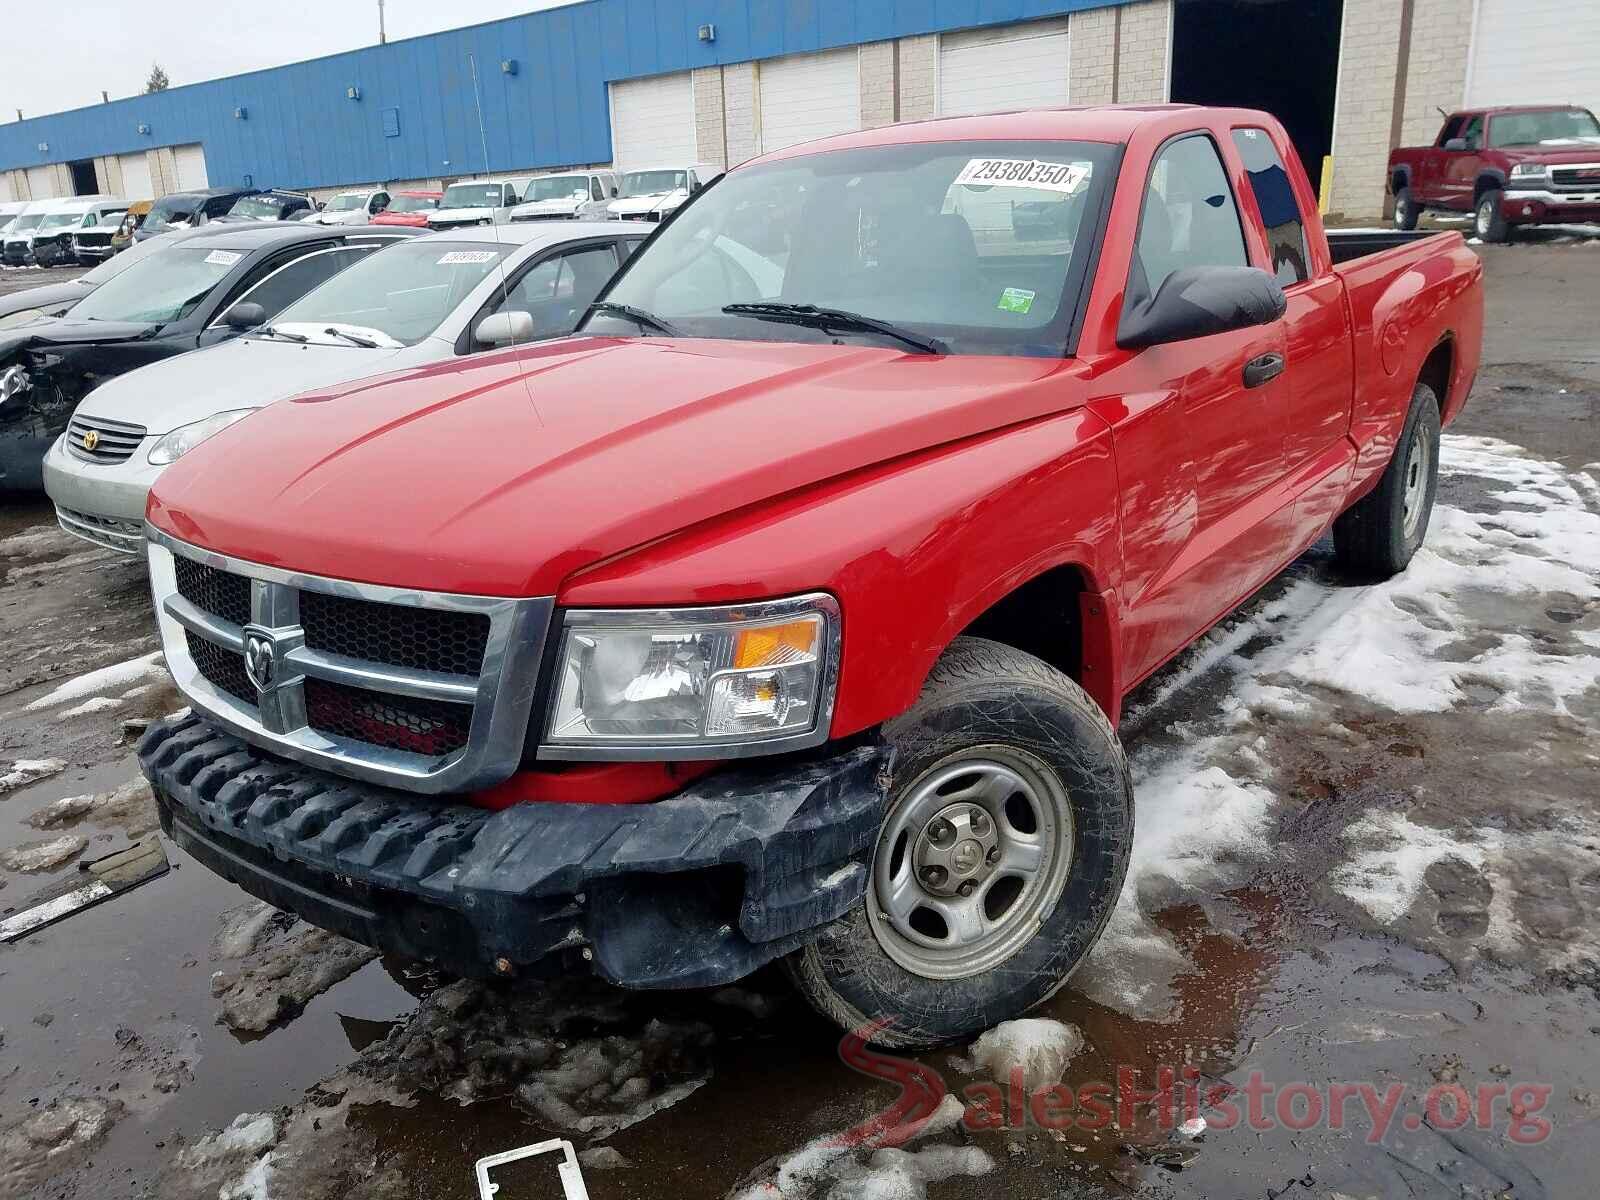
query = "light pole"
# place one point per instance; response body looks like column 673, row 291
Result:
column 382, row 36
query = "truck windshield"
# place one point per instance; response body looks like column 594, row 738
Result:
column 406, row 204
column 471, row 195
column 61, row 220
column 558, row 187
column 1557, row 125
column 654, row 183
column 164, row 287
column 980, row 245
column 401, row 293
column 346, row 202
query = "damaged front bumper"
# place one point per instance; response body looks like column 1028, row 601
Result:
column 693, row 891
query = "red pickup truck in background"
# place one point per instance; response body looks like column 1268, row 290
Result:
column 787, row 610
column 1531, row 165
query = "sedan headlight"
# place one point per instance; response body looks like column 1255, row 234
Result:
column 1528, row 171
column 185, row 438
column 695, row 682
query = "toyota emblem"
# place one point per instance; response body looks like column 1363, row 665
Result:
column 260, row 661
column 91, row 439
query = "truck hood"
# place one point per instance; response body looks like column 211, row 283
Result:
column 459, row 216
column 245, row 372
column 1567, row 150
column 643, row 204
column 546, row 208
column 504, row 476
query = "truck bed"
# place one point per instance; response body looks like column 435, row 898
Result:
column 1345, row 245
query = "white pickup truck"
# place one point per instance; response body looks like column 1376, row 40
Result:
column 573, row 195
column 477, row 202
column 654, row 193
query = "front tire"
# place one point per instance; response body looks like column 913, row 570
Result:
column 1406, row 211
column 1378, row 535
column 1488, row 221
column 999, row 862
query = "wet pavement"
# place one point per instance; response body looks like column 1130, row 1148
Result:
column 1368, row 855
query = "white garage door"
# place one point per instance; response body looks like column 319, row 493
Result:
column 42, row 183
column 191, row 161
column 1536, row 52
column 136, row 177
column 994, row 70
column 809, row 96
column 652, row 121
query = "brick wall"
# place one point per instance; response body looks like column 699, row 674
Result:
column 1436, row 74
column 742, row 112
column 1363, row 116
column 1143, row 37
column 919, row 77
column 1091, row 51
column 710, row 138
column 880, row 101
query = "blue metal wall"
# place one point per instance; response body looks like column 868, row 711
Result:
column 301, row 128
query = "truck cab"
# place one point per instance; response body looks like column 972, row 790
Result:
column 1507, row 166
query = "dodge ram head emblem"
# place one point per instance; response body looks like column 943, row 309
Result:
column 91, row 439
column 260, row 661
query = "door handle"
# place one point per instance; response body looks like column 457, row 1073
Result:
column 1263, row 369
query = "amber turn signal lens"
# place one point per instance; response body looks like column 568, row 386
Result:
column 773, row 645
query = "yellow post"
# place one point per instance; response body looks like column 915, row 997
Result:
column 1327, row 184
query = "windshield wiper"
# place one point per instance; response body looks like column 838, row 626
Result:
column 638, row 316
column 269, row 331
column 836, row 318
column 365, row 343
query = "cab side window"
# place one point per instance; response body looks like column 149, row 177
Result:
column 1472, row 133
column 1452, row 129
column 1189, row 217
column 556, row 291
column 1280, row 211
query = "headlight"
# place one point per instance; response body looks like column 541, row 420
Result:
column 1528, row 171
column 185, row 438
column 695, row 682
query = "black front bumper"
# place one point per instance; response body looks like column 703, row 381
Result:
column 692, row 891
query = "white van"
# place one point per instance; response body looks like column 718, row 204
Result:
column 52, row 240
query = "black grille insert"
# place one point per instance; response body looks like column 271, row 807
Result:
column 222, row 669
column 219, row 593
column 397, row 635
column 429, row 727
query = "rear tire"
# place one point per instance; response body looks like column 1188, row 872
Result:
column 1009, row 782
column 1378, row 535
column 1488, row 221
column 1406, row 211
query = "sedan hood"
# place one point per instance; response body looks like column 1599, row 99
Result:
column 504, row 476
column 242, row 373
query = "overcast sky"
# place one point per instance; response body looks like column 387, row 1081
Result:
column 110, row 44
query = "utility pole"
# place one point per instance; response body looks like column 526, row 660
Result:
column 382, row 36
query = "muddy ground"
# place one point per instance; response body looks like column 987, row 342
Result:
column 1368, row 852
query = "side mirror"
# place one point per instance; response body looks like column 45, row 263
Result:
column 613, row 191
column 504, row 329
column 1455, row 144
column 246, row 315
column 1200, row 301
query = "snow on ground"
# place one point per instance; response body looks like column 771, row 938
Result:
column 117, row 677
column 1447, row 631
column 30, row 770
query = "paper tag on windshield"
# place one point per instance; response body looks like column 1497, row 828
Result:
column 223, row 258
column 456, row 257
column 1026, row 173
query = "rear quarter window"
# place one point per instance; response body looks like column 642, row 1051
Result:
column 1280, row 210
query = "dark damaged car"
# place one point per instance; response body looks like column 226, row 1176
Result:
column 211, row 286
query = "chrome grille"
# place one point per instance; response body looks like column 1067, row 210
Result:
column 97, row 440
column 1579, row 177
column 429, row 691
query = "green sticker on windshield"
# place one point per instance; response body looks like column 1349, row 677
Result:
column 1016, row 300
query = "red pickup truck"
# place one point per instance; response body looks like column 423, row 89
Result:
column 1506, row 166
column 787, row 610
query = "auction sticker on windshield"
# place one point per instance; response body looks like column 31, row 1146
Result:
column 457, row 257
column 223, row 258
column 1016, row 300
column 1026, row 173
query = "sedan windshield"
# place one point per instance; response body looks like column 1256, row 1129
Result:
column 164, row 287
column 346, row 202
column 558, row 187
column 405, row 204
column 979, row 246
column 471, row 195
column 653, row 183
column 1545, row 125
column 401, row 293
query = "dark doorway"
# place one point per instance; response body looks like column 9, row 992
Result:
column 1277, row 55
column 83, row 183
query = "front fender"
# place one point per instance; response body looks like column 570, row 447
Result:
column 913, row 549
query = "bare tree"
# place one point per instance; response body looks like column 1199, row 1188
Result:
column 158, row 81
